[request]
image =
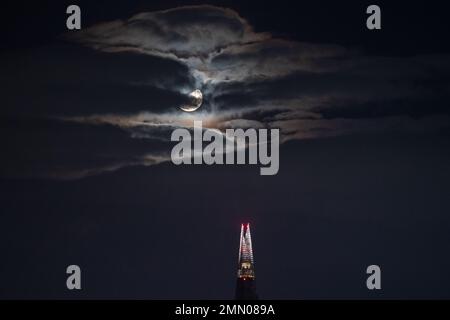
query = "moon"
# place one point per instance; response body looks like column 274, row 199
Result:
column 196, row 97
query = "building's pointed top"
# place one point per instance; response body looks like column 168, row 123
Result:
column 245, row 287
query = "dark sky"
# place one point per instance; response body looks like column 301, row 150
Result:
column 364, row 172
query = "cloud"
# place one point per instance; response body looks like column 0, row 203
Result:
column 216, row 43
column 126, row 81
column 184, row 32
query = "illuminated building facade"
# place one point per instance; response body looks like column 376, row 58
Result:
column 245, row 286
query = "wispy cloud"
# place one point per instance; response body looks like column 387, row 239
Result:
column 248, row 79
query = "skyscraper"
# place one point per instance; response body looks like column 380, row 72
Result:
column 245, row 285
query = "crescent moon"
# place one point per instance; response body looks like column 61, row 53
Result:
column 196, row 97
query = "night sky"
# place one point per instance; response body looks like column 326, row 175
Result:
column 85, row 170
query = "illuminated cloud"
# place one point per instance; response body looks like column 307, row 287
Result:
column 215, row 43
column 145, row 66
